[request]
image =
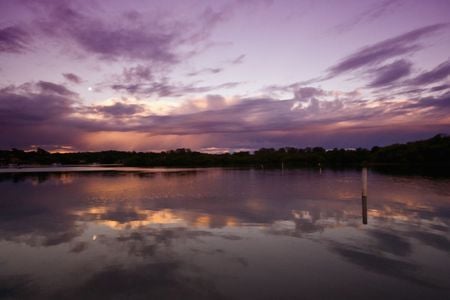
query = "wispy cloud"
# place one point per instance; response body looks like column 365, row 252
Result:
column 205, row 71
column 165, row 88
column 384, row 50
column 435, row 75
column 390, row 73
column 156, row 38
column 118, row 109
column 14, row 39
column 379, row 9
column 238, row 60
column 73, row 78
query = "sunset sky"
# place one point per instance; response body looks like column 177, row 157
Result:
column 221, row 76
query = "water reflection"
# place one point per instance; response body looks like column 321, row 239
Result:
column 364, row 195
column 223, row 234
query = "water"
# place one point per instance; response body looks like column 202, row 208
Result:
column 223, row 234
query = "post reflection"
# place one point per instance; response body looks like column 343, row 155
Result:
column 364, row 195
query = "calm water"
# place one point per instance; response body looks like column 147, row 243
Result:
column 223, row 234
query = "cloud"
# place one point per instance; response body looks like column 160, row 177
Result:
column 164, row 88
column 384, row 50
column 238, row 60
column 37, row 103
column 436, row 105
column 250, row 115
column 207, row 103
column 255, row 123
column 390, row 73
column 46, row 113
column 120, row 39
column 157, row 36
column 138, row 74
column 372, row 13
column 439, row 73
column 306, row 93
column 72, row 78
column 210, row 18
column 119, row 109
column 439, row 88
column 206, row 71
column 14, row 39
column 53, row 88
column 52, row 111
column 36, row 113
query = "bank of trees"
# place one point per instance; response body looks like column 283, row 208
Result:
column 434, row 151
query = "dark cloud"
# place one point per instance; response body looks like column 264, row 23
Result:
column 156, row 37
column 221, row 121
column 136, row 88
column 165, row 88
column 384, row 50
column 45, row 113
column 160, row 89
column 306, row 93
column 119, row 39
column 72, row 78
column 267, row 115
column 238, row 60
column 14, row 39
column 206, row 71
column 439, row 73
column 119, row 109
column 439, row 88
column 441, row 104
column 268, row 122
column 149, row 81
column 138, row 73
column 53, row 88
column 390, row 73
column 45, row 101
column 36, row 113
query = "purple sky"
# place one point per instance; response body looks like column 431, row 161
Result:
column 222, row 75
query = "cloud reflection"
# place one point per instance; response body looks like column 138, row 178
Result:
column 116, row 224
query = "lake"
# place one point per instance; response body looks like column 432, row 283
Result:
column 130, row 233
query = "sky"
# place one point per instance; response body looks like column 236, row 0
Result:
column 218, row 76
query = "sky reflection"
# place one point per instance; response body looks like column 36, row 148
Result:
column 222, row 234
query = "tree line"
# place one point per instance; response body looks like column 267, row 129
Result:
column 433, row 152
